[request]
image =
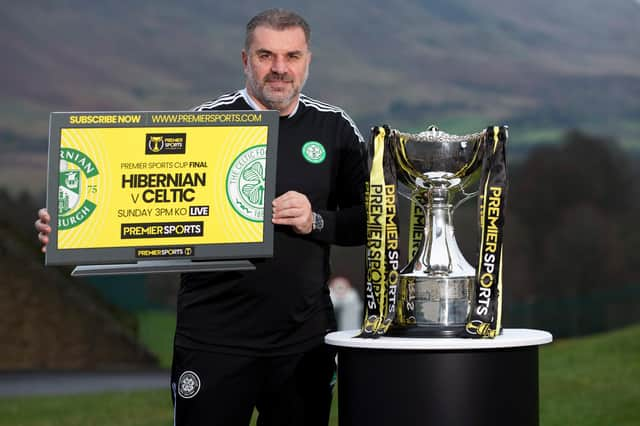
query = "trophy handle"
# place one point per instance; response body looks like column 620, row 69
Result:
column 403, row 190
column 415, row 195
column 466, row 196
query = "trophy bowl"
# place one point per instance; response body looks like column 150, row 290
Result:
column 439, row 169
column 435, row 158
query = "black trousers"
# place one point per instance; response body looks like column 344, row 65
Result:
column 210, row 388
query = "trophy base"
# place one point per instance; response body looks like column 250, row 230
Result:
column 431, row 332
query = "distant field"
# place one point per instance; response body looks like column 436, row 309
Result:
column 591, row 381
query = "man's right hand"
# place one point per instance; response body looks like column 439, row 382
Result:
column 43, row 228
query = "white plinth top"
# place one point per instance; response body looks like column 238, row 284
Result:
column 510, row 337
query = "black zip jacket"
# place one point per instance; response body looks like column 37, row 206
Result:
column 283, row 307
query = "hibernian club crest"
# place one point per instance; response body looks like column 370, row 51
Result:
column 246, row 183
column 75, row 188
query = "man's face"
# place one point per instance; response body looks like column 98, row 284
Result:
column 277, row 66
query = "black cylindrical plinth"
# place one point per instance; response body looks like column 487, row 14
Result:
column 446, row 386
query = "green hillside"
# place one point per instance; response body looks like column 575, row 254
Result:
column 542, row 67
column 546, row 62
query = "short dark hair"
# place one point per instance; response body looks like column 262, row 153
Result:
column 277, row 19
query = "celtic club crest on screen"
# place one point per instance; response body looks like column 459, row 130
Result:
column 246, row 183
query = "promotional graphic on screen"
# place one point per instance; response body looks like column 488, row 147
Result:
column 151, row 185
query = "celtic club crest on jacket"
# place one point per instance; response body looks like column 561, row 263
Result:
column 246, row 183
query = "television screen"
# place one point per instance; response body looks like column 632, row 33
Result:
column 126, row 187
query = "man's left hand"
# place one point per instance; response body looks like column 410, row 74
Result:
column 294, row 209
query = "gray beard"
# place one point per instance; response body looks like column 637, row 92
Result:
column 274, row 104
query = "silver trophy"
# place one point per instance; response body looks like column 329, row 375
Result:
column 439, row 169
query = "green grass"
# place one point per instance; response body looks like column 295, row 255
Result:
column 149, row 408
column 592, row 381
column 156, row 333
column 586, row 381
column 144, row 408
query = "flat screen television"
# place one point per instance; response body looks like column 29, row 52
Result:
column 168, row 191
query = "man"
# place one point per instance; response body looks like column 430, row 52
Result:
column 347, row 303
column 256, row 339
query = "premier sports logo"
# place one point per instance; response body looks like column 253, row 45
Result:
column 165, row 143
column 77, row 186
column 314, row 152
column 246, row 183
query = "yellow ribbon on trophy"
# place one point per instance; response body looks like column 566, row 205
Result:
column 485, row 317
column 383, row 258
